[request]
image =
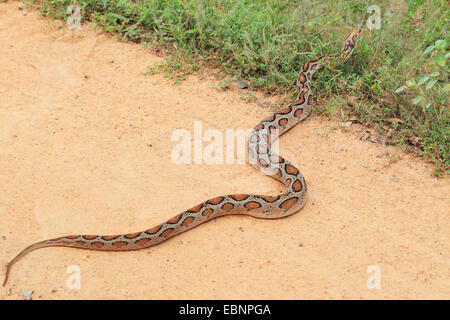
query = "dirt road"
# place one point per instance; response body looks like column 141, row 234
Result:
column 85, row 147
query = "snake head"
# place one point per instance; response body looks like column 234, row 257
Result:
column 350, row 43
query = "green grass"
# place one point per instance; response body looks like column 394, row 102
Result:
column 401, row 85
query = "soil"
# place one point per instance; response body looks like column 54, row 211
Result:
column 85, row 147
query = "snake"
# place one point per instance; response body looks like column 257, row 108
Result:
column 260, row 156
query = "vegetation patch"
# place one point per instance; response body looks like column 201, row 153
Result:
column 397, row 78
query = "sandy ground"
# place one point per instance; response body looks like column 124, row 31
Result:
column 85, row 147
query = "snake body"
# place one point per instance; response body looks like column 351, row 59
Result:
column 260, row 156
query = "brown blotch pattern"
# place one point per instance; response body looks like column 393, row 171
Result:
column 288, row 182
column 252, row 205
column 197, row 208
column 166, row 232
column 287, row 204
column 301, row 98
column 278, row 173
column 258, row 127
column 70, row 237
column 132, row 235
column 269, row 118
column 97, row 244
column 298, row 112
column 301, row 78
column 187, row 221
column 207, row 212
column 153, row 230
column 283, row 122
column 297, row 186
column 228, row 206
column 216, row 200
column 120, row 244
column 110, row 237
column 306, row 65
column 239, row 197
column 291, row 169
column 270, row 198
column 89, row 237
column 285, row 110
column 175, row 219
column 142, row 242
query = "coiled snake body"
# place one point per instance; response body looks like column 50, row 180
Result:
column 260, row 155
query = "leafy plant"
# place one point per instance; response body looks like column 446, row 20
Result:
column 430, row 89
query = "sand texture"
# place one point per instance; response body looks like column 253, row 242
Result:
column 85, row 147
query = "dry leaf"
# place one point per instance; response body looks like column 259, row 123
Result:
column 346, row 124
column 352, row 101
column 354, row 120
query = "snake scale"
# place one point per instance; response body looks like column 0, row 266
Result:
column 260, row 156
